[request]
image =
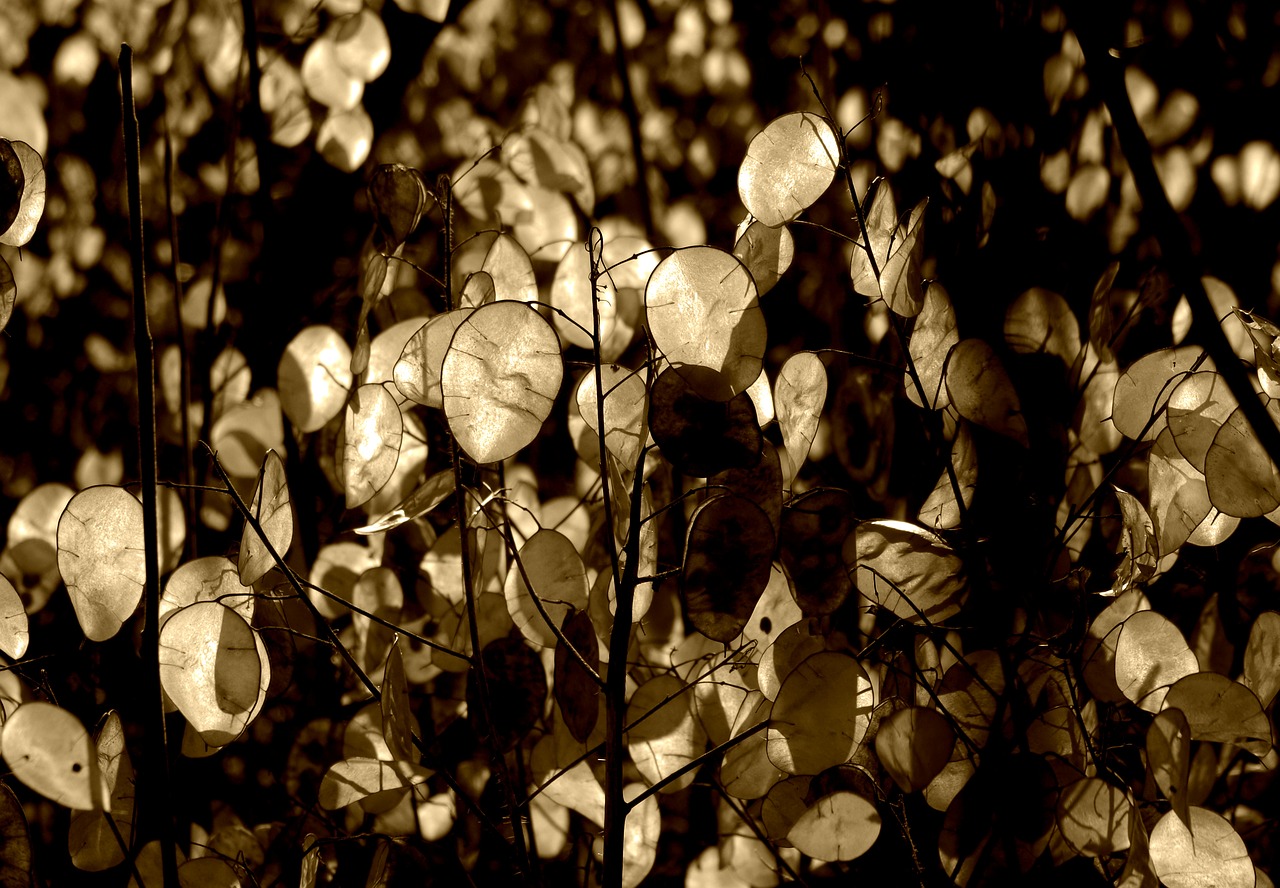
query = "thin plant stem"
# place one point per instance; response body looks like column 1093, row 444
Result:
column 698, row 762
column 520, row 814
column 156, row 770
column 253, row 98
column 610, row 537
column 526, row 818
column 615, row 806
column 936, row 439
column 372, row 617
column 321, row 622
column 899, row 808
column 615, row 811
column 212, row 327
column 599, row 747
column 1065, row 534
column 514, row 552
column 132, row 859
column 760, row 834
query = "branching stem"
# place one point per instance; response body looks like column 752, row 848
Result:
column 615, row 807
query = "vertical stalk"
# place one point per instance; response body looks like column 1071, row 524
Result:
column 156, row 767
column 525, row 818
column 615, row 805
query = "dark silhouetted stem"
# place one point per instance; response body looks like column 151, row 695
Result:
column 1107, row 72
column 750, row 821
column 207, row 340
column 594, row 277
column 131, row 859
column 155, row 766
column 615, row 810
column 698, row 762
column 615, row 804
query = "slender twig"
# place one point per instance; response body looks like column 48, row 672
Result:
column 629, row 726
column 610, row 536
column 608, row 269
column 859, row 359
column 209, row 336
column 334, row 641
column 615, row 806
column 514, row 553
column 520, row 813
column 321, row 622
column 131, row 859
column 372, row 617
column 750, row 821
column 418, row 268
column 475, row 163
column 931, row 426
column 526, row 819
column 178, row 485
column 1073, row 696
column 839, row 235
column 1065, row 534
column 660, row 575
column 698, row 762
column 679, row 499
column 899, row 808
column 257, row 123
column 157, row 758
column 445, row 187
column 928, row 686
column 624, row 584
